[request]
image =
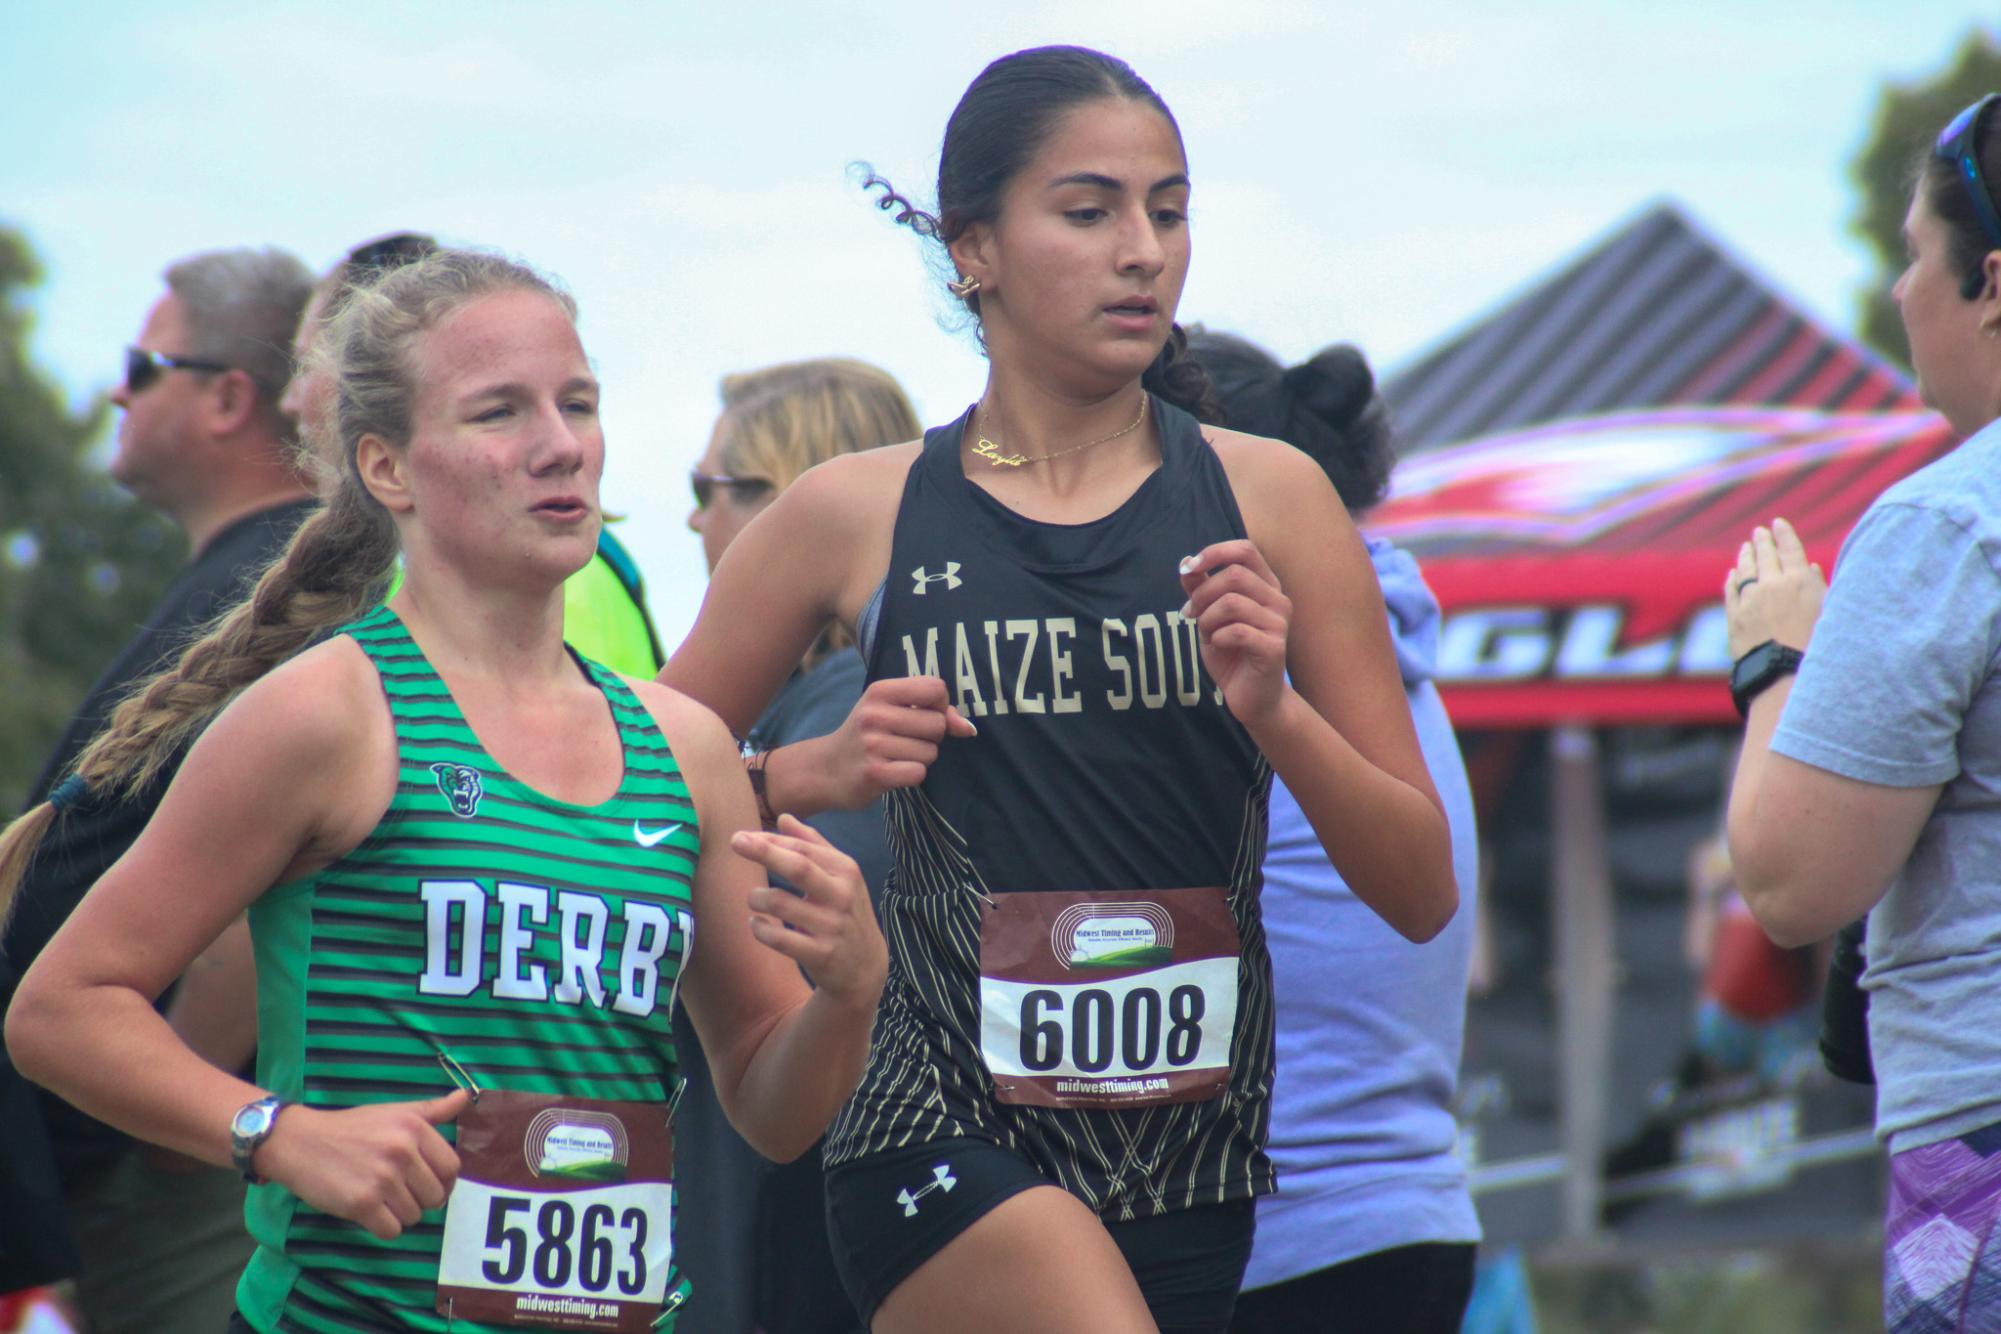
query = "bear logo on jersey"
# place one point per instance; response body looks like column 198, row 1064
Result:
column 461, row 787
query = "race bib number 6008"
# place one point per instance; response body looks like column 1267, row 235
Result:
column 1108, row 999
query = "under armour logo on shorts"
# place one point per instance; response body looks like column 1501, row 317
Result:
column 941, row 1179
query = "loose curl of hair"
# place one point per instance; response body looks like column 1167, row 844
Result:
column 1327, row 406
column 1004, row 117
column 1945, row 193
column 337, row 564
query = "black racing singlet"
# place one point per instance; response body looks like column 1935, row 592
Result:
column 1105, row 760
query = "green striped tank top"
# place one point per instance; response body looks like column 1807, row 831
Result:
column 535, row 943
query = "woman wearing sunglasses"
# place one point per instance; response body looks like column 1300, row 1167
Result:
column 1084, row 615
column 1871, row 780
column 475, row 864
column 761, row 1258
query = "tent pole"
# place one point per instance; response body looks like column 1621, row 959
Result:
column 1584, row 969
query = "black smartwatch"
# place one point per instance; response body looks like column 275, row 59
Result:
column 248, row 1129
column 1756, row 670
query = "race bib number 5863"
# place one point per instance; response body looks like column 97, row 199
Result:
column 562, row 1215
column 579, row 1254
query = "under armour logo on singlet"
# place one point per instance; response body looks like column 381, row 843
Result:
column 941, row 1179
column 951, row 577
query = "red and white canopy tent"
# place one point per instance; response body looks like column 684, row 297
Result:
column 1580, row 563
column 1580, row 469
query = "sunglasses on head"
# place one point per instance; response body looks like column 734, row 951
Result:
column 1958, row 144
column 143, row 367
column 388, row 252
column 743, row 488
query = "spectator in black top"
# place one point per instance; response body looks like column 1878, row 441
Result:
column 160, row 1242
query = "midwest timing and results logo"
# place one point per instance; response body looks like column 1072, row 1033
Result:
column 1113, row 935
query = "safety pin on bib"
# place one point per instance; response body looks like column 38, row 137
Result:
column 457, row 1074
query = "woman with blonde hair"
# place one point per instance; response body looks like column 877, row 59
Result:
column 761, row 1259
column 474, row 863
column 604, row 604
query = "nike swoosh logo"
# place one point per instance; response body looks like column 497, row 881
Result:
column 646, row 840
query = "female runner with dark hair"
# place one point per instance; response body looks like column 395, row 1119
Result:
column 1079, row 610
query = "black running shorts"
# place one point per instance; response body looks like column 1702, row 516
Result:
column 890, row 1212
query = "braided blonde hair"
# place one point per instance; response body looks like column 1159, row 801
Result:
column 335, row 567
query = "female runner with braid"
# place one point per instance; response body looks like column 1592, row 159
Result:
column 1062, row 1123
column 470, row 857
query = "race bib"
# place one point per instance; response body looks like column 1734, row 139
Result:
column 1125, row 998
column 562, row 1217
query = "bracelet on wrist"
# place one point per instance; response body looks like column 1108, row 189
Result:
column 754, row 759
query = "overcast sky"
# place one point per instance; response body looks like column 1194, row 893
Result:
column 1363, row 172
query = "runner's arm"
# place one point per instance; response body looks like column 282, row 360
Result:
column 280, row 784
column 814, row 556
column 214, row 1009
column 1339, row 731
column 784, row 1056
column 255, row 794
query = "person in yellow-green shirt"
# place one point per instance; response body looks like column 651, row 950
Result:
column 605, row 616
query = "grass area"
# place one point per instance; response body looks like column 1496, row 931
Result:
column 1746, row 1292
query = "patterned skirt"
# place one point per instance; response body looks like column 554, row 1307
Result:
column 1941, row 1250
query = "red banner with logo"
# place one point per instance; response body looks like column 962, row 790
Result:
column 1580, row 565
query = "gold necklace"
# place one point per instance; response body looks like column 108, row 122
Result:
column 991, row 452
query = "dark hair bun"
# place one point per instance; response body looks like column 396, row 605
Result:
column 1327, row 406
column 1335, row 385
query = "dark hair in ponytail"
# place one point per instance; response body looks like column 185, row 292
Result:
column 1328, row 406
column 1003, row 117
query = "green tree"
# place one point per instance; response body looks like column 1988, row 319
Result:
column 1908, row 118
column 80, row 562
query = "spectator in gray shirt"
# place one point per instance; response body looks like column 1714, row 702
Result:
column 1873, row 781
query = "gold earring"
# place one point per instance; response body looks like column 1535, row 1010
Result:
column 964, row 287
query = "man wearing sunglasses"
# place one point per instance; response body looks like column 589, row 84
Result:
column 159, row 1245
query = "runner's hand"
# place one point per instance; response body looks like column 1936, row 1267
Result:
column 380, row 1166
column 891, row 737
column 1773, row 591
column 832, row 930
column 1243, row 618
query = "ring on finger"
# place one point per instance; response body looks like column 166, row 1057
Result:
column 1743, row 584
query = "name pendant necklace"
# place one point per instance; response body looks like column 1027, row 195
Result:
column 997, row 458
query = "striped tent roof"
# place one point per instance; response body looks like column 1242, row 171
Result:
column 1657, row 313
column 1582, row 465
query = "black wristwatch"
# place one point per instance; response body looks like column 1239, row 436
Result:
column 250, row 1127
column 1756, row 670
